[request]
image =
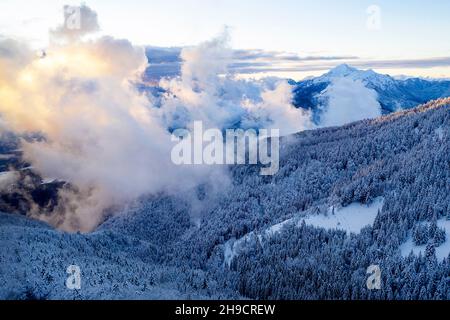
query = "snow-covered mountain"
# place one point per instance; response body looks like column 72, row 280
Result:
column 366, row 76
column 374, row 192
column 393, row 94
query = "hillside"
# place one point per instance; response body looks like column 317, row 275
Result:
column 269, row 237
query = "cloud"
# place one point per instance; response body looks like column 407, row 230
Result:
column 207, row 91
column 275, row 111
column 167, row 62
column 109, row 141
column 100, row 134
column 280, row 56
column 163, row 55
column 324, row 64
column 113, row 143
column 310, row 64
column 12, row 55
column 346, row 100
column 7, row 179
column 405, row 64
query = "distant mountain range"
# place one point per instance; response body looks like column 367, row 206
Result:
column 393, row 94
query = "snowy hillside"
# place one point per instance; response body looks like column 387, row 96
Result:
column 384, row 177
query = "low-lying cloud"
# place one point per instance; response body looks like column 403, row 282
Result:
column 347, row 100
column 112, row 142
column 205, row 90
column 108, row 140
column 100, row 134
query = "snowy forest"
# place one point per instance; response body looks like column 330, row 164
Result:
column 253, row 239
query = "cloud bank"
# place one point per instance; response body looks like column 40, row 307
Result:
column 100, row 134
column 166, row 62
column 108, row 140
column 206, row 91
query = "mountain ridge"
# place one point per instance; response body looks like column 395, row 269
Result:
column 393, row 94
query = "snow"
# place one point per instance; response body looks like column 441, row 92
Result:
column 352, row 218
column 409, row 246
column 233, row 246
column 442, row 251
column 48, row 180
column 366, row 76
column 277, row 227
column 342, row 71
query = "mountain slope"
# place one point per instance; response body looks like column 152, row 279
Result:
column 403, row 158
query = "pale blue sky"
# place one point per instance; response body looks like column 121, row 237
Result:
column 410, row 29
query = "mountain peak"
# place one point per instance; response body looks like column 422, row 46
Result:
column 368, row 77
column 342, row 70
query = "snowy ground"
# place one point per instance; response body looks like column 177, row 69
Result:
column 442, row 251
column 351, row 219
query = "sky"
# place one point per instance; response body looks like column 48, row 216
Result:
column 396, row 30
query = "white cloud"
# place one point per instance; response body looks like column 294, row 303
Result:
column 348, row 100
column 108, row 140
column 101, row 135
column 206, row 91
